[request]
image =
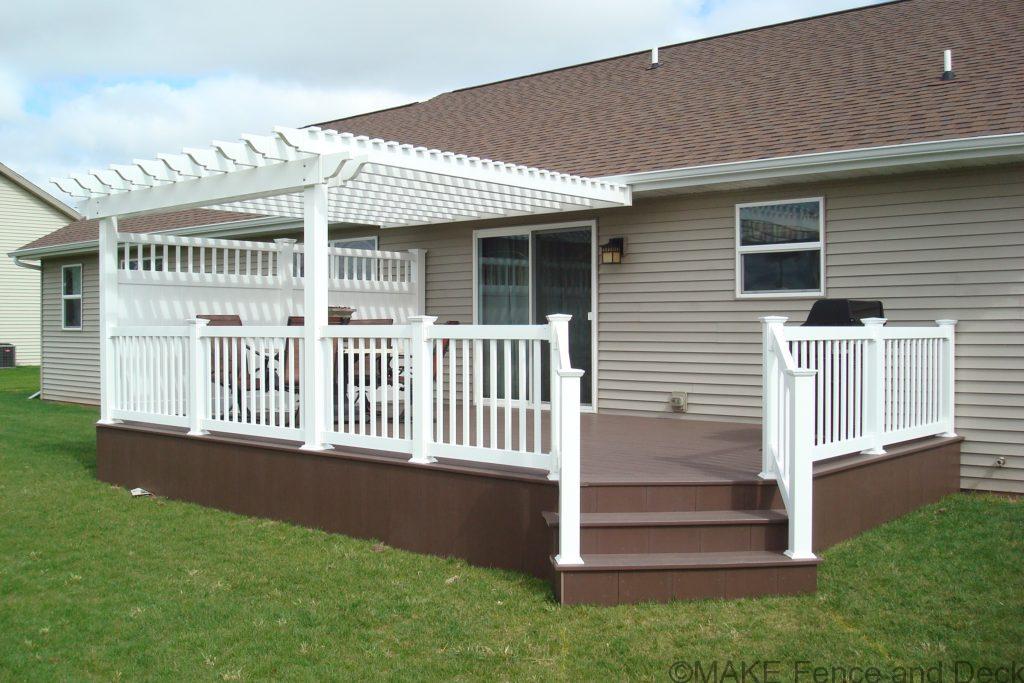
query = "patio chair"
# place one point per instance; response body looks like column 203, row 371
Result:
column 228, row 372
column 398, row 372
column 289, row 371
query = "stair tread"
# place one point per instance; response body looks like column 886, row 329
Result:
column 679, row 518
column 711, row 560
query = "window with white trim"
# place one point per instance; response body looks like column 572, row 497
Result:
column 71, row 297
column 780, row 248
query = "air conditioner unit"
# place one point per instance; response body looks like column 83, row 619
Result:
column 6, row 356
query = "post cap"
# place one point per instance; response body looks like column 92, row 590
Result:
column 873, row 322
column 570, row 373
column 198, row 321
column 770, row 319
column 945, row 322
column 423, row 319
column 285, row 240
column 559, row 317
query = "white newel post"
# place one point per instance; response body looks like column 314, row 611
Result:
column 559, row 360
column 314, row 374
column 569, row 475
column 801, row 467
column 286, row 273
column 108, row 314
column 198, row 359
column 769, row 392
column 422, row 378
column 949, row 377
column 419, row 279
column 874, row 386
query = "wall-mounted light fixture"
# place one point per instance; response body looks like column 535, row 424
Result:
column 611, row 251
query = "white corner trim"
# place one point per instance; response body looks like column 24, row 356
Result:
column 959, row 149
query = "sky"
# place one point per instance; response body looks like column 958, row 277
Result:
column 87, row 83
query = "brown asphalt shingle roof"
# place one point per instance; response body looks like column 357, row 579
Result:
column 860, row 78
column 88, row 230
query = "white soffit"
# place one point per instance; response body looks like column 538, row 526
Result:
column 370, row 181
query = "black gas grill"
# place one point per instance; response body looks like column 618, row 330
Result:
column 842, row 312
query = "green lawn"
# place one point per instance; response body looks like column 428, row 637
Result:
column 97, row 585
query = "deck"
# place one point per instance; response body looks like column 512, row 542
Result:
column 672, row 509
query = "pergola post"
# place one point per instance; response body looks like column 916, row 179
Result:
column 314, row 374
column 108, row 314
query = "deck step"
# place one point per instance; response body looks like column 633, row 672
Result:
column 681, row 518
column 699, row 560
column 621, row 578
column 677, row 532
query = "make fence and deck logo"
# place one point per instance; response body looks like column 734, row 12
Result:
column 773, row 671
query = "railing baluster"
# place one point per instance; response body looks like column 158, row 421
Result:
column 535, row 394
column 521, row 398
column 453, row 396
column 466, row 360
column 492, row 359
column 438, row 389
column 478, row 390
column 507, row 360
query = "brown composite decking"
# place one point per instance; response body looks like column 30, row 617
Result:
column 629, row 449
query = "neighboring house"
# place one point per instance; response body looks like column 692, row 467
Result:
column 897, row 184
column 26, row 213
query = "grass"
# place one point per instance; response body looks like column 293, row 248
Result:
column 97, row 585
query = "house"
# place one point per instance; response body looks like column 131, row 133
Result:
column 26, row 212
column 690, row 202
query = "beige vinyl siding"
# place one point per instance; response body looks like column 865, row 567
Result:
column 71, row 358
column 23, row 218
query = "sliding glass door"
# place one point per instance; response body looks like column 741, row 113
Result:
column 524, row 275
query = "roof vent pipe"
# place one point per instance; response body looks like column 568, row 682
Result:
column 947, row 66
column 654, row 59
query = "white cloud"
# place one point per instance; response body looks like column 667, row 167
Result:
column 115, row 123
column 92, row 82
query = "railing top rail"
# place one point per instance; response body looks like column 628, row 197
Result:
column 252, row 331
column 781, row 348
column 487, row 332
column 936, row 332
column 800, row 333
column 365, row 331
column 150, row 331
column 362, row 253
column 184, row 241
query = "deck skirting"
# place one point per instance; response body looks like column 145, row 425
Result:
column 495, row 517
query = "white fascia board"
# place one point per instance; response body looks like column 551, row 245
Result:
column 864, row 158
column 248, row 227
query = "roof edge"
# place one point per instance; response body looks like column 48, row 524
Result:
column 860, row 158
column 38, row 192
column 264, row 224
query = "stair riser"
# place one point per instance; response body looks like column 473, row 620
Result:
column 634, row 586
column 683, row 497
column 682, row 539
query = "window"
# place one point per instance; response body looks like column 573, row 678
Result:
column 355, row 242
column 71, row 297
column 780, row 248
column 149, row 262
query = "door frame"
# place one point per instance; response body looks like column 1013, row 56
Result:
column 529, row 229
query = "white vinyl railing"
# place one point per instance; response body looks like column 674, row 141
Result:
column 161, row 258
column 466, row 392
column 831, row 391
